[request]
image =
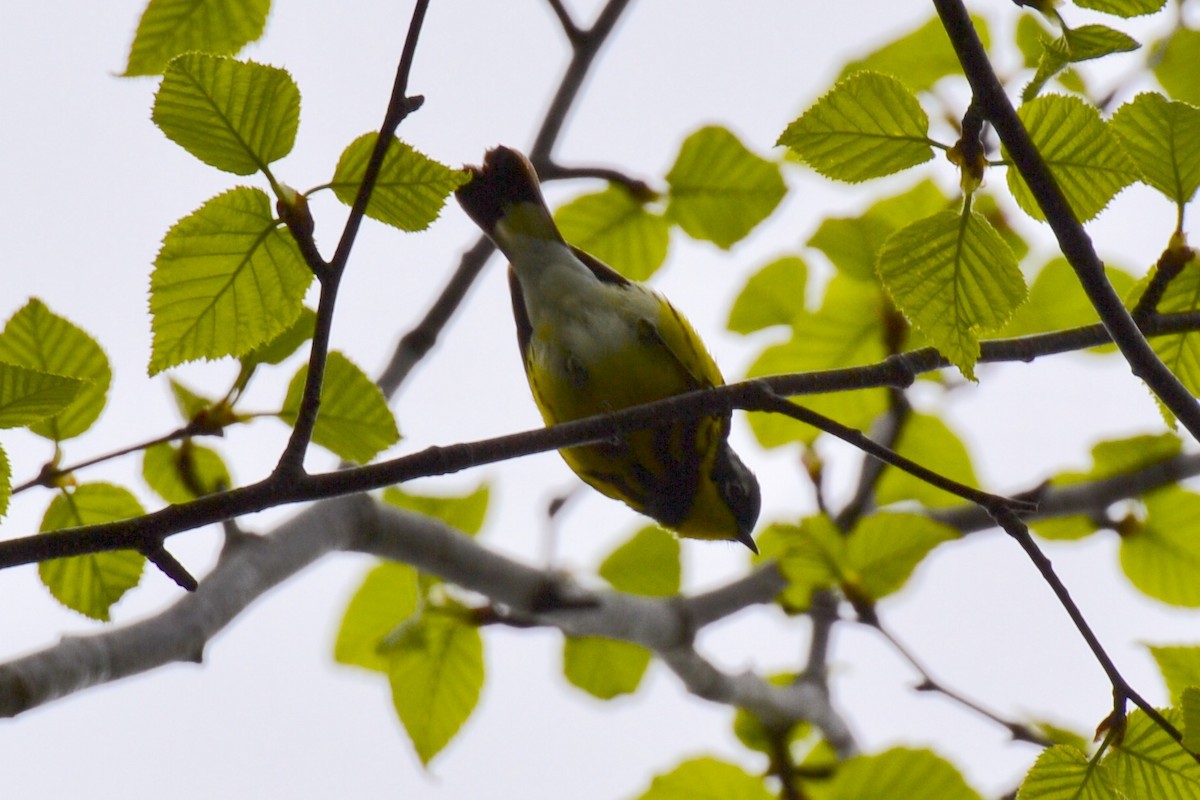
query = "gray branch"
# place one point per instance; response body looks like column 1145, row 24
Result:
column 253, row 566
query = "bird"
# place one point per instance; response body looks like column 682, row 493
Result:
column 593, row 342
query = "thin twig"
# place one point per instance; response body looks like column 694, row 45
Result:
column 1017, row 730
column 49, row 473
column 1122, row 690
column 400, row 105
column 769, row 401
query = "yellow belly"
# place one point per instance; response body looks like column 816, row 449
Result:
column 599, row 363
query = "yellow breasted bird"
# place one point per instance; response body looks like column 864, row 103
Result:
column 594, row 342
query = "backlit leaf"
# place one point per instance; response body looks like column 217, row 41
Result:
column 616, row 228
column 411, row 188
column 774, row 295
column 386, row 599
column 647, row 564
column 883, row 550
column 954, row 278
column 236, row 116
column 1179, row 65
column 354, row 420
column 899, row 772
column 1179, row 665
column 27, row 396
column 866, row 126
column 435, row 668
column 225, row 281
column 37, row 338
column 171, row 27
column 719, row 189
column 1163, row 137
column 1162, row 556
column 1085, row 156
column 464, row 512
column 604, row 668
column 1122, row 8
column 848, row 330
column 183, row 472
column 91, row 584
column 919, row 58
column 707, row 779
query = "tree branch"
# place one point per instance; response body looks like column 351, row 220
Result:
column 254, row 566
column 1073, row 241
column 147, row 532
column 400, row 105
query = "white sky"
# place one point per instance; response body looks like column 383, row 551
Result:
column 90, row 186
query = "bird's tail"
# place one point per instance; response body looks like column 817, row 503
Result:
column 504, row 198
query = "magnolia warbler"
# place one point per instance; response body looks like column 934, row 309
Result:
column 594, row 342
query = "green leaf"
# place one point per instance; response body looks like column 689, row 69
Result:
column 37, row 338
column 233, row 115
column 706, row 779
column 1082, row 152
column 930, row 442
column 848, row 330
column 91, row 584
column 388, row 597
column 354, row 421
column 954, row 278
column 1180, row 667
column 810, row 555
column 774, row 295
column 1057, row 301
column 719, row 189
column 899, row 772
column 1180, row 351
column 1030, row 37
column 1179, row 65
column 182, row 473
column 1110, row 459
column 866, row 126
column 920, row 58
column 282, row 346
column 189, row 403
column 852, row 244
column 225, row 281
column 1164, row 139
column 435, row 669
column 883, row 550
column 5, row 482
column 411, row 189
column 616, row 228
column 1191, row 718
column 1063, row 772
column 27, row 396
column 464, row 512
column 1122, row 8
column 647, row 564
column 604, row 668
column 171, row 27
column 1162, row 556
column 1096, row 41
column 1125, row 456
column 1149, row 763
